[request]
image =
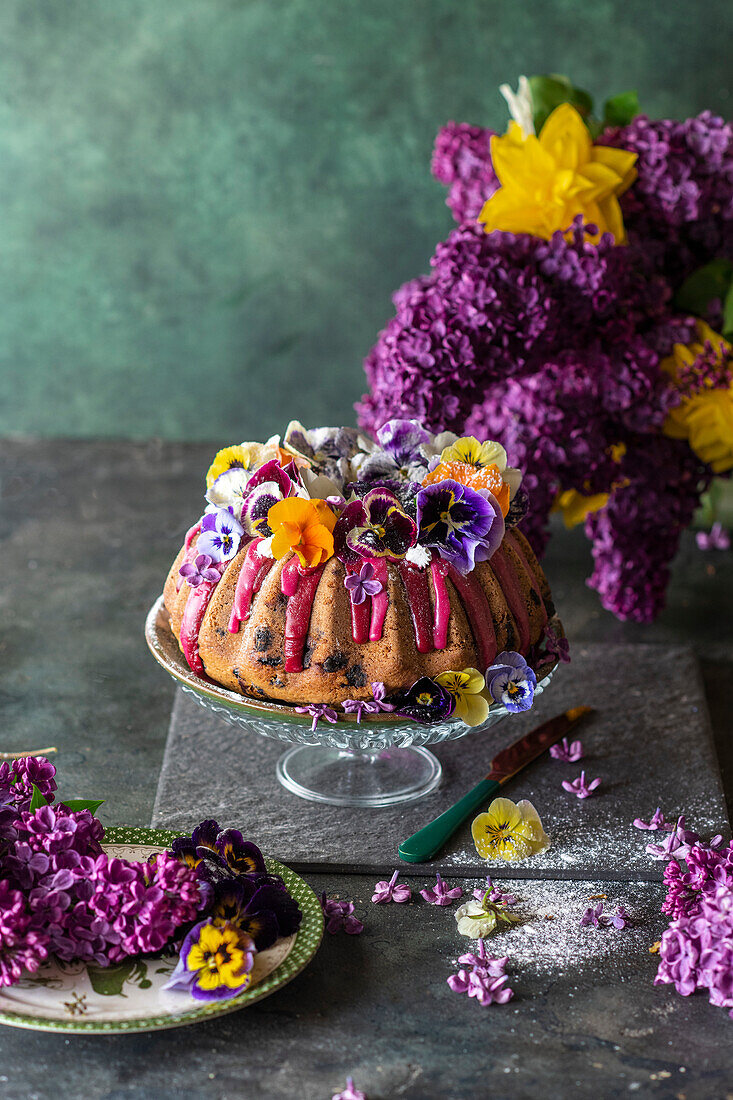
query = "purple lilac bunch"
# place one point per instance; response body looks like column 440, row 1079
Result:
column 554, row 347
column 696, row 950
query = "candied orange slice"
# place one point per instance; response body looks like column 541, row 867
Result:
column 484, row 477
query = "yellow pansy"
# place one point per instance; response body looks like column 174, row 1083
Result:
column 242, row 456
column 576, row 506
column 220, row 957
column 547, row 181
column 467, row 688
column 508, row 831
column 468, row 449
column 704, row 418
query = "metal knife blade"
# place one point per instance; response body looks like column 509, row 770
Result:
column 515, row 757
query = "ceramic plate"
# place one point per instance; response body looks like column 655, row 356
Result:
column 81, row 999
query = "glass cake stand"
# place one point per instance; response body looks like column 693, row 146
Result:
column 378, row 762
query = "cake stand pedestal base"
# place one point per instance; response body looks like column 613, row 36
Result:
column 344, row 777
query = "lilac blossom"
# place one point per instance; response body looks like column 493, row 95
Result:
column 486, row 980
column 676, row 844
column 361, row 584
column 319, row 712
column 567, row 751
column 350, row 1092
column 19, row 776
column 379, row 695
column 391, row 891
column 359, row 707
column 440, row 894
column 492, row 894
column 598, row 919
column 717, row 538
column 579, row 787
column 340, row 916
column 199, row 570
column 657, row 821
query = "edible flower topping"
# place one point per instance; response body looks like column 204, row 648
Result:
column 468, row 691
column 221, row 534
column 400, row 453
column 230, row 490
column 243, row 456
column 440, row 894
column 511, row 681
column 547, row 181
column 215, row 962
column 198, row 571
column 426, row 701
column 391, row 891
column 303, row 526
column 580, row 788
column 487, row 478
column 319, row 711
column 461, row 524
column 361, row 584
column 509, row 832
column 379, row 526
column 359, row 707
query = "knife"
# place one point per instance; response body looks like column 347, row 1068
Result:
column 427, row 842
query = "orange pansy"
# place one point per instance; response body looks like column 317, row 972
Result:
column 485, row 477
column 303, row 526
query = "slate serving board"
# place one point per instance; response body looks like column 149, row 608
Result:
column 649, row 740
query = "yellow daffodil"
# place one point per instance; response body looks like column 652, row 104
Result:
column 576, row 506
column 546, row 181
column 303, row 526
column 705, row 417
column 468, row 690
column 508, row 831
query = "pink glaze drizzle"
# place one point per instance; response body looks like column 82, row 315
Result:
column 530, row 574
column 360, row 615
column 188, row 553
column 478, row 611
column 380, row 602
column 249, row 582
column 438, row 570
column 507, row 578
column 300, row 587
column 193, row 616
column 418, row 599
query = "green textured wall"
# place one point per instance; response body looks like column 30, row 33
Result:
column 205, row 204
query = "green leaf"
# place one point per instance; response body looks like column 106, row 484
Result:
column 728, row 313
column 714, row 280
column 620, row 109
column 37, row 800
column 548, row 92
column 91, row 804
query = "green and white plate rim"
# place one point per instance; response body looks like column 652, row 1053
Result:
column 82, row 1000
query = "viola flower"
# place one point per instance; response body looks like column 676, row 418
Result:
column 198, row 571
column 567, row 751
column 319, row 712
column 244, row 456
column 378, row 694
column 303, row 526
column 508, row 831
column 580, row 788
column 221, row 534
column 361, row 584
column 379, row 526
column 350, row 1092
column 230, row 490
column 548, row 180
column 215, row 962
column 488, row 456
column 264, row 912
column 322, row 452
column 715, row 539
column 391, row 891
column 440, row 894
column 461, row 524
column 359, row 707
column 426, row 701
column 468, row 691
column 400, row 453
column 511, row 681
column 340, row 915
column 657, row 821
column 480, row 918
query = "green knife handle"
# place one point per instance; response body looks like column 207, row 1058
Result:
column 427, row 842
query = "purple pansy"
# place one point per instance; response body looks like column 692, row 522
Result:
column 511, row 681
column 361, row 584
column 440, row 894
column 199, row 570
column 567, row 751
column 391, row 891
column 266, row 912
column 579, row 787
column 221, row 534
column 376, row 526
column 400, row 455
column 462, row 524
column 340, row 916
column 265, row 487
column 319, row 712
column 424, row 702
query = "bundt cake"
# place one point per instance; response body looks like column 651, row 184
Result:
column 329, row 568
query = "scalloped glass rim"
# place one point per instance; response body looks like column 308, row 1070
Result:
column 307, row 941
column 241, row 709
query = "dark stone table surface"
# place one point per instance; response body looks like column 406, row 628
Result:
column 87, row 533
